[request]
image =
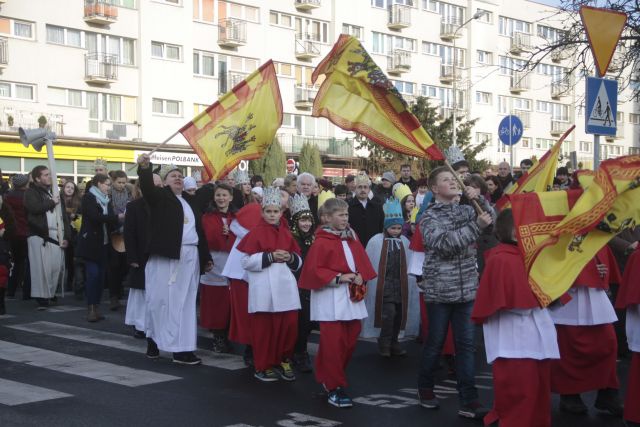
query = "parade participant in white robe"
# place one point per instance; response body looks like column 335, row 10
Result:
column 177, row 249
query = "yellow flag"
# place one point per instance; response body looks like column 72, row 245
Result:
column 241, row 125
column 356, row 95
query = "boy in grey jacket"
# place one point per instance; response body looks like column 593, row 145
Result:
column 450, row 280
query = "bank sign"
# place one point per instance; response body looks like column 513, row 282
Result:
column 169, row 158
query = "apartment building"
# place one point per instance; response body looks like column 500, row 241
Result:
column 115, row 77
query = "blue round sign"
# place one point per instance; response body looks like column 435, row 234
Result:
column 510, row 130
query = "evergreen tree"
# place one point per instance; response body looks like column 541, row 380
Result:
column 272, row 164
column 310, row 160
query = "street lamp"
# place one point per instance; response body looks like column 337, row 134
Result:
column 454, row 135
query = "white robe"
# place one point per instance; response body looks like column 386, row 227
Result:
column 171, row 288
column 214, row 277
column 271, row 290
column 588, row 306
column 136, row 309
column 633, row 327
column 46, row 262
column 233, row 266
column 332, row 303
column 374, row 248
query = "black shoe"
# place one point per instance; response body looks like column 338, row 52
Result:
column 152, row 349
column 572, row 403
column 302, row 362
column 397, row 350
column 138, row 334
column 186, row 358
column 473, row 410
column 53, row 301
column 608, row 400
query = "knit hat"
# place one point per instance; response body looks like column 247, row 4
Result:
column 19, row 180
column 392, row 213
column 190, row 183
column 389, row 176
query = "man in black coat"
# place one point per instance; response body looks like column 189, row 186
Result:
column 366, row 217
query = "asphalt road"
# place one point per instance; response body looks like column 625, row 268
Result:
column 58, row 370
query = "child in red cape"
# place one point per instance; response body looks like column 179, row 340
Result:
column 334, row 269
column 520, row 337
column 629, row 298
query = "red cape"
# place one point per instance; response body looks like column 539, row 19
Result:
column 267, row 238
column 249, row 216
column 417, row 243
column 504, row 284
column 212, row 227
column 589, row 276
column 326, row 260
column 629, row 293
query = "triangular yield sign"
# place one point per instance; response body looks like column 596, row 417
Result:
column 603, row 27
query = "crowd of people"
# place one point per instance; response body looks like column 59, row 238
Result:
column 261, row 265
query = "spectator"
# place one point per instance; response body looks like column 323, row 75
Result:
column 100, row 166
column 493, row 189
column 291, row 184
column 504, row 176
column 366, row 217
column 461, row 168
column 256, row 181
column 190, row 185
column 525, row 165
column 350, row 182
column 18, row 241
column 341, row 192
column 72, row 209
column 562, row 175
column 406, row 178
column 423, row 189
column 306, row 183
column 385, row 190
column 4, row 185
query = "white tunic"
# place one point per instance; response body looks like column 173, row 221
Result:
column 136, row 309
column 588, row 306
column 333, row 303
column 271, row 290
column 46, row 261
column 416, row 260
column 521, row 334
column 214, row 277
column 171, row 288
column 233, row 266
column 633, row 327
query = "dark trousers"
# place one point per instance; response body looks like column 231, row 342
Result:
column 305, row 325
column 391, row 321
column 117, row 272
column 78, row 276
column 20, row 272
column 95, row 277
column 464, row 338
column 68, row 265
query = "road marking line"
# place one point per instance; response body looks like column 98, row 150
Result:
column 81, row 366
column 64, row 308
column 13, row 393
column 119, row 341
column 6, row 316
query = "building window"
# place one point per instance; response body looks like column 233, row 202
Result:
column 508, row 65
column 487, row 16
column 174, row 2
column 64, row 36
column 19, row 91
column 634, row 118
column 508, row 26
column 483, row 98
column 203, row 63
column 203, row 11
column 585, row 146
column 166, row 107
column 483, row 137
column 525, row 142
column 353, row 30
column 551, row 35
column 386, row 43
column 166, row 51
column 485, row 57
column 429, row 91
column 23, row 29
column 378, row 3
column 280, row 19
column 407, row 88
column 241, row 11
column 431, row 5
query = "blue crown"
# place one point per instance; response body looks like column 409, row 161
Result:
column 392, row 213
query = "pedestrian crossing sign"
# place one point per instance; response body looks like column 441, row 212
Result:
column 601, row 107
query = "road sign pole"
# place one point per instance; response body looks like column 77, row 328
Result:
column 596, row 138
column 511, row 144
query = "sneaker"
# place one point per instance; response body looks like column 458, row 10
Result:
column 609, row 401
column 339, row 398
column 285, row 371
column 473, row 410
column 152, row 349
column 572, row 403
column 428, row 399
column 138, row 334
column 186, row 358
column 302, row 362
column 267, row 376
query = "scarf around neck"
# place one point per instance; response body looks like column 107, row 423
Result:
column 103, row 199
column 346, row 234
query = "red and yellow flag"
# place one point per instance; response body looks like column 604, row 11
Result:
column 357, row 96
column 241, row 125
column 559, row 233
column 540, row 176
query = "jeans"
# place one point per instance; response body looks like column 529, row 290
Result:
column 464, row 336
column 95, row 272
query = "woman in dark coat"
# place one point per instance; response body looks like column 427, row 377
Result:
column 98, row 218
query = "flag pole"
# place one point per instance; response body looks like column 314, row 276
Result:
column 476, row 205
column 156, row 148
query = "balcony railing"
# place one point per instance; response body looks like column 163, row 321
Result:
column 399, row 16
column 304, row 96
column 11, row 120
column 232, row 32
column 558, row 127
column 520, row 42
column 307, row 46
column 306, row 5
column 559, row 89
column 100, row 12
column 448, row 74
column 519, row 82
column 4, row 52
column 524, row 116
column 399, row 61
column 449, row 28
column 100, row 68
column 326, row 145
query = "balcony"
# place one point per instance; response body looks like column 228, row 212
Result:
column 399, row 17
column 12, row 119
column 519, row 82
column 449, row 29
column 100, row 12
column 232, row 33
column 304, row 96
column 559, row 89
column 307, row 46
column 100, row 68
column 448, row 74
column 307, row 5
column 327, row 145
column 524, row 116
column 4, row 52
column 447, row 113
column 399, row 62
column 520, row 42
column 558, row 127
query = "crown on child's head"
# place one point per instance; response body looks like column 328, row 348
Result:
column 271, row 197
column 324, row 196
column 298, row 203
column 362, row 179
column 241, row 177
column 100, row 162
column 400, row 191
column 392, row 213
column 165, row 169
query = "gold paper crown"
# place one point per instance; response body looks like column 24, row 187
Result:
column 271, row 197
column 241, row 177
column 299, row 203
column 324, row 196
column 165, row 169
column 400, row 191
column 362, row 179
column 100, row 162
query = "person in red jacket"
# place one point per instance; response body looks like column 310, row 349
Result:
column 519, row 336
column 336, row 270
column 629, row 299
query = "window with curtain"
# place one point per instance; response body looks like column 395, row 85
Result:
column 23, row 29
column 128, row 52
column 91, row 42
column 92, row 104
column 157, row 50
column 74, row 98
column 156, row 106
column 24, row 92
column 114, row 46
column 5, row 90
column 173, row 52
column 55, row 34
column 73, row 38
column 115, row 112
column 208, row 65
column 196, row 63
column 173, row 107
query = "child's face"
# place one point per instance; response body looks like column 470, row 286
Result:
column 222, row 198
column 271, row 214
column 409, row 204
column 338, row 220
column 304, row 224
column 446, row 186
column 119, row 184
column 394, row 230
column 423, row 189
